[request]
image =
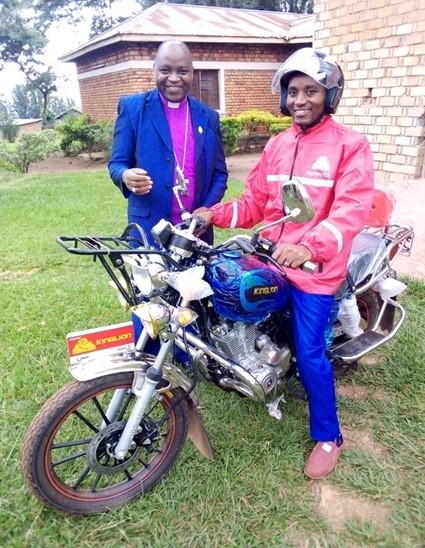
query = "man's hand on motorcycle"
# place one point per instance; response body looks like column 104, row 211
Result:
column 291, row 255
column 205, row 217
column 137, row 181
column 205, row 214
column 201, row 226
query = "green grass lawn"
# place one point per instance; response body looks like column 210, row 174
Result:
column 254, row 494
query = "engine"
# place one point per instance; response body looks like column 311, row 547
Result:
column 260, row 360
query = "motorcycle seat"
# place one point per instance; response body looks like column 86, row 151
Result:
column 366, row 259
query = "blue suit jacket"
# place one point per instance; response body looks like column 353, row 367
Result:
column 142, row 139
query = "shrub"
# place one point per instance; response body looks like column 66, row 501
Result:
column 282, row 125
column 254, row 121
column 31, row 148
column 80, row 134
column 231, row 129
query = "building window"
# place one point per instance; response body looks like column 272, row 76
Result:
column 205, row 87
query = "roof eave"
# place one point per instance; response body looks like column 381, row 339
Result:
column 84, row 50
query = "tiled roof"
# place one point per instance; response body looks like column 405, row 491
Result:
column 204, row 24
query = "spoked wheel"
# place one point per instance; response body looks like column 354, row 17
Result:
column 369, row 306
column 68, row 453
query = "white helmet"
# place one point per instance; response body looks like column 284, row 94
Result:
column 319, row 66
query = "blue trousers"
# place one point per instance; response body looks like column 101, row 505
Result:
column 310, row 314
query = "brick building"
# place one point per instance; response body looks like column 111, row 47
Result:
column 235, row 51
column 28, row 125
column 380, row 45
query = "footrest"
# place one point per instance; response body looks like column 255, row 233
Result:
column 359, row 346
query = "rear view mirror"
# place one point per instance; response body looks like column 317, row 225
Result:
column 297, row 207
column 297, row 202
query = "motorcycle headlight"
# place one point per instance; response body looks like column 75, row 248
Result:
column 154, row 317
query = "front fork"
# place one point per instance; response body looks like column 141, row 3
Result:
column 119, row 395
column 143, row 396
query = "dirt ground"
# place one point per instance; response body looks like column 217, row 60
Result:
column 410, row 200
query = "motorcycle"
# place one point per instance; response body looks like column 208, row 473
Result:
column 115, row 431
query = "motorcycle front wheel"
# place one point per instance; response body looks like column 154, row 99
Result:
column 68, row 460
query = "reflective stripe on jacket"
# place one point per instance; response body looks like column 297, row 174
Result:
column 335, row 165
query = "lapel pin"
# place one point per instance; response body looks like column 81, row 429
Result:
column 200, row 130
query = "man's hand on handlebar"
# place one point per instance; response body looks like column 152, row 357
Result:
column 201, row 225
column 291, row 255
column 205, row 217
column 205, row 214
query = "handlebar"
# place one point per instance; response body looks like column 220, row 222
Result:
column 268, row 247
column 309, row 267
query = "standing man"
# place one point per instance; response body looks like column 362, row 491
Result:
column 335, row 165
column 163, row 136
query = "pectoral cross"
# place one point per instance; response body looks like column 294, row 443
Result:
column 181, row 181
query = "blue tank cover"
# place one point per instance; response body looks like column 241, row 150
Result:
column 245, row 289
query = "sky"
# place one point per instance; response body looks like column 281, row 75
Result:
column 62, row 38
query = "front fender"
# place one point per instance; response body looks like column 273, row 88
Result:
column 92, row 367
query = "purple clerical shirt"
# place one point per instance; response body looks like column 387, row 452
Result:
column 180, row 124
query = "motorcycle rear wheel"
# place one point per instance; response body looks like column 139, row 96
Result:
column 369, row 306
column 68, row 460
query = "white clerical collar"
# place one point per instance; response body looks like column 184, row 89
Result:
column 171, row 104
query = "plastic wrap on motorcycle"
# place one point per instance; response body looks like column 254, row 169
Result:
column 244, row 289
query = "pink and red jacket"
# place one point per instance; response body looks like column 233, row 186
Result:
column 335, row 165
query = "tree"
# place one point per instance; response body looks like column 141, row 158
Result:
column 45, row 83
column 26, row 102
column 74, row 10
column 298, row 6
column 6, row 108
column 22, row 42
column 58, row 105
column 32, row 100
column 8, row 128
column 31, row 148
column 20, row 38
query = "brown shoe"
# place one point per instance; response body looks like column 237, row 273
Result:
column 322, row 459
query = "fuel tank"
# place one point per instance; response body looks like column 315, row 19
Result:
column 245, row 289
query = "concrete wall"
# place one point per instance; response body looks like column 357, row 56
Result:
column 380, row 45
